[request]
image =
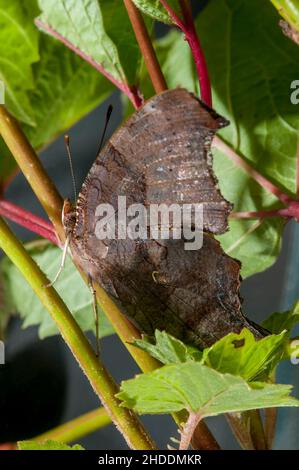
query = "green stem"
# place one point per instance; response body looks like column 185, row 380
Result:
column 79, row 427
column 289, row 10
column 32, row 168
column 99, row 378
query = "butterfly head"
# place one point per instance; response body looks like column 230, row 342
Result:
column 68, row 216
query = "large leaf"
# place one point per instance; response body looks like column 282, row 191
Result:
column 70, row 286
column 47, row 445
column 238, row 354
column 18, row 51
column 198, row 388
column 90, row 26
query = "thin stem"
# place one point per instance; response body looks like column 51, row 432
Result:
column 188, row 28
column 270, row 425
column 257, row 430
column 146, row 47
column 261, row 180
column 28, row 220
column 32, row 168
column 259, row 214
column 189, row 429
column 79, row 427
column 198, row 54
column 239, row 423
column 130, row 91
column 99, row 378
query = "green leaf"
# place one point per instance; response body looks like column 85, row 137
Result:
column 243, row 355
column 198, row 388
column 70, row 286
column 237, row 354
column 67, row 88
column 47, row 445
column 278, row 322
column 90, row 26
column 156, row 10
column 168, row 349
column 18, row 51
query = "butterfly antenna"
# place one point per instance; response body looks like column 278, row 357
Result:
column 68, row 149
column 108, row 115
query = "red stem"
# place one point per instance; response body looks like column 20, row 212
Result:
column 28, row 220
column 130, row 91
column 188, row 28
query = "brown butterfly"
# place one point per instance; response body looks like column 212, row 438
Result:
column 161, row 154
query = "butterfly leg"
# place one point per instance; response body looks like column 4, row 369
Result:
column 62, row 263
column 96, row 314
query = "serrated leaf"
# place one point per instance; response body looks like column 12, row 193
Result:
column 241, row 354
column 89, row 25
column 278, row 322
column 47, row 445
column 168, row 349
column 18, row 51
column 156, row 10
column 199, row 389
column 70, row 286
column 237, row 354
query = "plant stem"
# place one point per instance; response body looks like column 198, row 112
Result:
column 239, row 423
column 199, row 57
column 32, row 168
column 188, row 28
column 77, row 428
column 28, row 220
column 270, row 425
column 130, row 91
column 257, row 430
column 146, row 47
column 188, row 430
column 99, row 378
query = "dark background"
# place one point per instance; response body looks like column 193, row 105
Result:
column 41, row 384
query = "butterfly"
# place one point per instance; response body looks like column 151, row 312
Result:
column 162, row 155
